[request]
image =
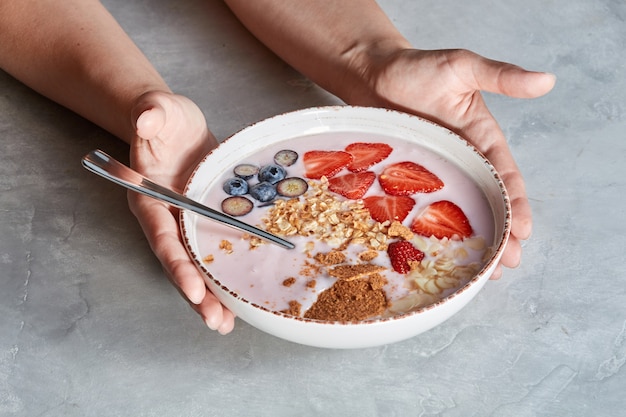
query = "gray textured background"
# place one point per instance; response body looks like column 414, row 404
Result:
column 90, row 327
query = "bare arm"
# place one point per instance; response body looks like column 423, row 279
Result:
column 74, row 52
column 329, row 41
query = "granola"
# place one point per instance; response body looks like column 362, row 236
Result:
column 343, row 223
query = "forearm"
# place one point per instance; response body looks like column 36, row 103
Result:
column 332, row 42
column 75, row 53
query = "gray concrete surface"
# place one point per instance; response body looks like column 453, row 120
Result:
column 89, row 326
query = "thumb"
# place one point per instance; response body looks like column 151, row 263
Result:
column 511, row 80
column 150, row 123
column 149, row 114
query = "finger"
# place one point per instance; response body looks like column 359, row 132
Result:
column 162, row 122
column 161, row 230
column 508, row 79
column 148, row 114
column 488, row 137
column 512, row 254
column 497, row 273
column 215, row 315
column 521, row 211
column 150, row 123
column 228, row 324
column 165, row 243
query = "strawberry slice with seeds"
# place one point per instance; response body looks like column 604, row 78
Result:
column 318, row 164
column 367, row 154
column 389, row 208
column 401, row 254
column 442, row 219
column 353, row 185
column 406, row 178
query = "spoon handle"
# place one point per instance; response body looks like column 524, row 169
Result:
column 104, row 165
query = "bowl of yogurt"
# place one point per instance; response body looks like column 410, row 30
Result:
column 397, row 224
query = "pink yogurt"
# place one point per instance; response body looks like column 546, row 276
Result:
column 257, row 275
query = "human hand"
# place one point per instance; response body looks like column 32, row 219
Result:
column 444, row 86
column 171, row 138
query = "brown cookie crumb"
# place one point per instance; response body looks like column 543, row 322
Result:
column 352, row 272
column 310, row 270
column 348, row 301
column 208, row 259
column 295, row 308
column 368, row 255
column 377, row 281
column 333, row 257
column 288, row 282
column 311, row 284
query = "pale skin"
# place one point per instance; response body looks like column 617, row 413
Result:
column 75, row 53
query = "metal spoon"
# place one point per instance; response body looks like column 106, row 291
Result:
column 104, row 165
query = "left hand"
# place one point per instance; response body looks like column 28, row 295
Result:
column 172, row 137
column 444, row 86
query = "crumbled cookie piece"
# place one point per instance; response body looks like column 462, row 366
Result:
column 208, row 259
column 295, row 309
column 311, row 284
column 333, row 257
column 310, row 270
column 377, row 281
column 368, row 255
column 288, row 282
column 348, row 301
column 352, row 272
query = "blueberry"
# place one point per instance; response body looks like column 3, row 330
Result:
column 291, row 187
column 263, row 191
column 272, row 173
column 237, row 206
column 246, row 171
column 235, row 186
column 286, row 157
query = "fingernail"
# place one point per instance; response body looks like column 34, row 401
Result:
column 210, row 322
column 196, row 297
column 225, row 328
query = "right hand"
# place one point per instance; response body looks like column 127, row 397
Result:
column 172, row 137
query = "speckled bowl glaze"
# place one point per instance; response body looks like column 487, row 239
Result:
column 338, row 119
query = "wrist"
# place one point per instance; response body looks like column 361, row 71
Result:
column 365, row 65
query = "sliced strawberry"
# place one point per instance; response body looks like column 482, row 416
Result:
column 353, row 185
column 406, row 178
column 442, row 219
column 401, row 254
column 318, row 164
column 367, row 154
column 383, row 208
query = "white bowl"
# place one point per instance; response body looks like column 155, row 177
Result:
column 338, row 120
